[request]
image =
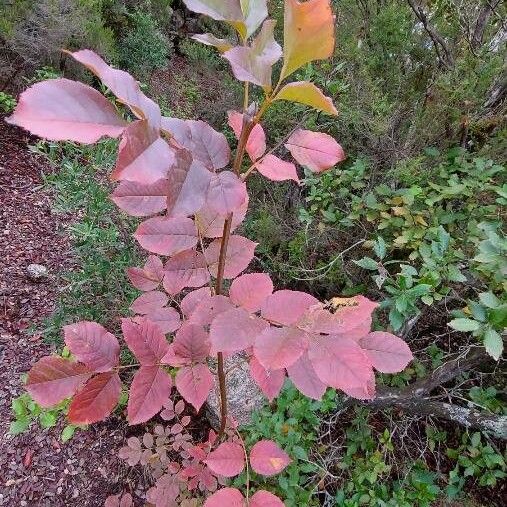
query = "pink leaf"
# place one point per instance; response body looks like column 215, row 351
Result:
column 192, row 299
column 186, row 269
column 194, row 383
column 314, row 150
column 240, row 252
column 263, row 498
column 191, row 343
column 167, row 236
column 256, row 144
column 339, row 362
column 122, row 84
column 167, row 319
column 188, row 183
column 235, row 330
column 305, row 379
column 209, row 308
column 92, row 345
column 226, row 193
column 149, row 391
column 211, row 224
column 140, row 200
column 276, row 169
column 269, row 382
column 145, row 340
column 364, row 392
column 53, row 378
column 387, row 352
column 267, row 458
column 287, row 306
column 225, row 497
column 96, row 400
column 149, row 302
column 65, row 110
column 227, row 460
column 149, row 277
column 251, row 290
column 278, row 347
column 143, row 155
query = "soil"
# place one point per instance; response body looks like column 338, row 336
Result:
column 36, row 469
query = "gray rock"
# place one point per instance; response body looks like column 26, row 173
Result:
column 36, row 272
column 243, row 395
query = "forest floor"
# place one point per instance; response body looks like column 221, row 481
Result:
column 35, row 468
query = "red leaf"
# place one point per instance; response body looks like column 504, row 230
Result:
column 267, row 458
column 339, row 362
column 387, row 352
column 235, row 330
column 276, row 169
column 194, row 383
column 287, row 306
column 149, row 391
column 209, row 308
column 167, row 236
column 305, row 379
column 314, row 150
column 191, row 343
column 96, row 400
column 256, row 144
column 278, row 347
column 226, row 193
column 265, row 499
column 167, row 319
column 192, row 299
column 186, row 269
column 122, row 84
column 140, row 200
column 149, row 302
column 203, row 141
column 211, row 224
column 225, row 497
column 92, row 345
column 250, row 290
column 143, row 155
column 65, row 110
column 53, row 378
column 149, row 277
column 145, row 340
column 227, row 460
column 269, row 382
column 240, row 252
column 188, row 183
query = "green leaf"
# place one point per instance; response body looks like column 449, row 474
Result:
column 48, row 419
column 19, row 425
column 498, row 316
column 380, row 247
column 493, row 343
column 67, row 433
column 464, row 324
column 367, row 263
column 489, row 299
column 396, row 319
column 455, row 275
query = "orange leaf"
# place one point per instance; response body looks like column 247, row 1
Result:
column 307, row 93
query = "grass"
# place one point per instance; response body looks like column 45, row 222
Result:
column 96, row 288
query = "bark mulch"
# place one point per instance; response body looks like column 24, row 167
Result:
column 36, row 469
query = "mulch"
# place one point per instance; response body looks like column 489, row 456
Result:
column 36, row 469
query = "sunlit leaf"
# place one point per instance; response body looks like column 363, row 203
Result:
column 308, row 33
column 262, row 498
column 150, row 389
column 140, row 200
column 52, row 379
column 210, row 40
column 267, row 458
column 96, row 400
column 186, row 269
column 149, row 277
column 190, row 302
column 191, row 343
column 225, row 497
column 221, row 10
column 251, row 290
column 227, row 460
column 211, row 224
column 276, row 169
column 303, row 376
column 279, row 347
column 194, row 383
column 65, row 110
column 167, row 319
column 240, row 252
column 148, row 302
column 307, row 93
column 269, row 382
column 209, row 308
column 92, row 345
column 315, row 150
column 145, row 340
column 287, row 306
column 226, row 193
column 387, row 352
column 256, row 143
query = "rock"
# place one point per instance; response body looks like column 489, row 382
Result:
column 36, row 272
column 243, row 395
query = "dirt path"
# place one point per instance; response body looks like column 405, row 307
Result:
column 36, row 469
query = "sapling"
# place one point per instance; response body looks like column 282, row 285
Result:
column 179, row 176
